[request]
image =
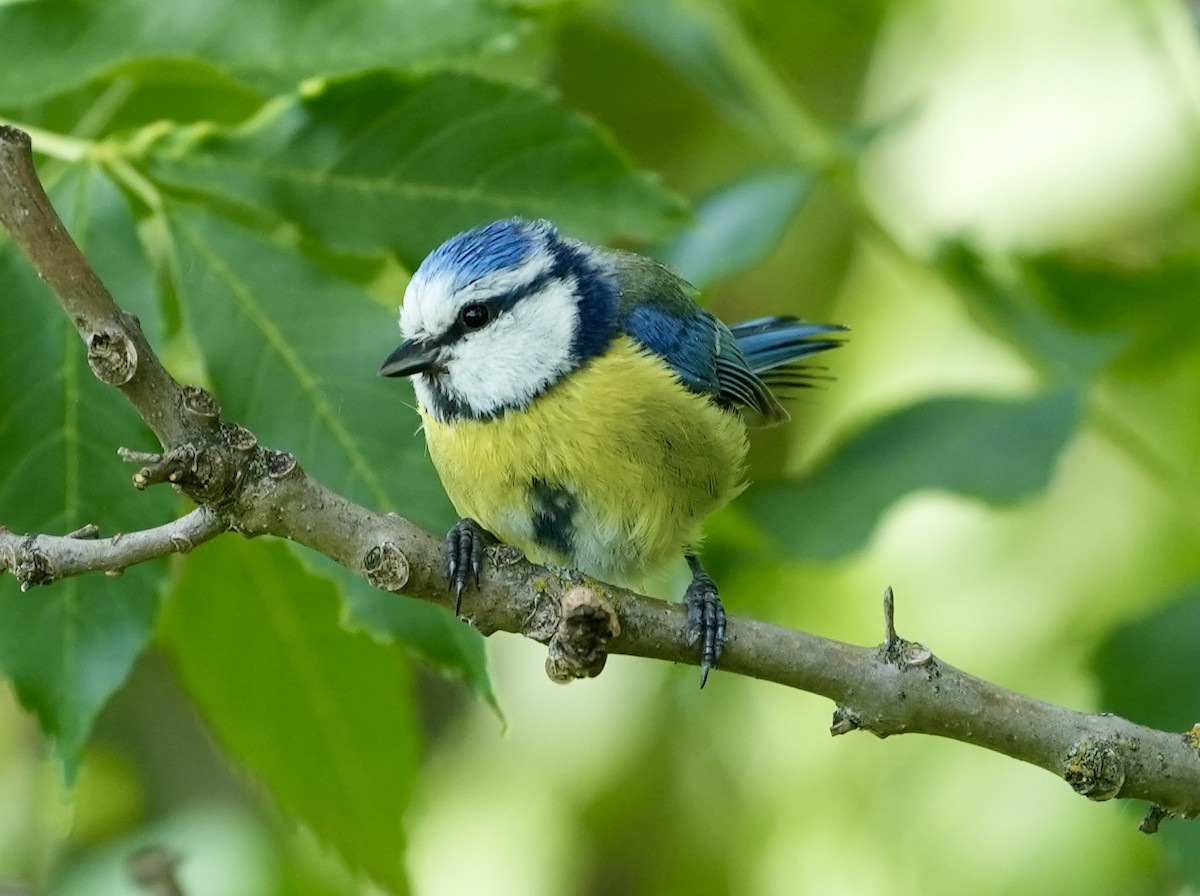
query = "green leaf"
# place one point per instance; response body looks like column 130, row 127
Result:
column 703, row 42
column 386, row 162
column 176, row 90
column 440, row 640
column 294, row 355
column 323, row 716
column 141, row 94
column 67, row 647
column 97, row 215
column 53, row 45
column 706, row 43
column 1012, row 311
column 1147, row 673
column 1148, row 309
column 997, row 450
column 1148, row 667
column 735, row 228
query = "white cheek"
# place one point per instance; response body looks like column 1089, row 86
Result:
column 514, row 359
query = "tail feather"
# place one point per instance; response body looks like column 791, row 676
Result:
column 775, row 343
column 795, row 376
column 770, row 348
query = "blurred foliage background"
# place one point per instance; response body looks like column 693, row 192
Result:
column 998, row 197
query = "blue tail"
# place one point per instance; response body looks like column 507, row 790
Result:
column 772, row 345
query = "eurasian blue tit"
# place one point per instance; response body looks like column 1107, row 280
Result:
column 579, row 405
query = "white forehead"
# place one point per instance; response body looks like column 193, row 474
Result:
column 434, row 298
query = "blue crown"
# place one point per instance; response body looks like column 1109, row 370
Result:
column 498, row 246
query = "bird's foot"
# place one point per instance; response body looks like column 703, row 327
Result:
column 465, row 545
column 706, row 618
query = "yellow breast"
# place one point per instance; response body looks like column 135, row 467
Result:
column 612, row 471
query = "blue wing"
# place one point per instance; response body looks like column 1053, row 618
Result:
column 736, row 366
column 687, row 343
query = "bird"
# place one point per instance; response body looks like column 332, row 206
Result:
column 580, row 405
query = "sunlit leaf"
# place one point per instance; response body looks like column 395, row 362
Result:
column 385, row 162
column 323, row 716
column 734, row 228
column 271, row 45
column 69, row 646
column 997, row 450
column 178, row 90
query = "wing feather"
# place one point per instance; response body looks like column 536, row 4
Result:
column 736, row 366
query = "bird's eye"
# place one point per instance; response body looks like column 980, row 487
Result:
column 475, row 316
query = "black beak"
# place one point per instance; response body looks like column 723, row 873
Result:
column 413, row 356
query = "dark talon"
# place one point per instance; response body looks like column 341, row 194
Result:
column 465, row 545
column 706, row 617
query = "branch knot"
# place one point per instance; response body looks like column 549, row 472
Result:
column 579, row 646
column 386, row 567
column 280, row 464
column 200, row 403
column 1095, row 769
column 112, row 356
column 30, row 565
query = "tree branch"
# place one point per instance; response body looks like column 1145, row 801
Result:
column 899, row 687
column 42, row 559
column 117, row 350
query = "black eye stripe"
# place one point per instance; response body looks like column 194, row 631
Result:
column 460, row 328
column 564, row 266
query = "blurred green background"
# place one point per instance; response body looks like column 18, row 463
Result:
column 998, row 197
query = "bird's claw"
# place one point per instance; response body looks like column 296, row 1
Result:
column 706, row 622
column 465, row 545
